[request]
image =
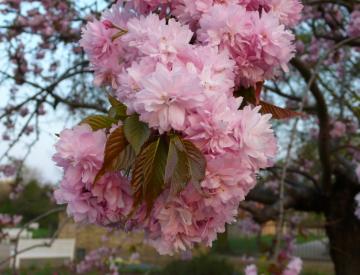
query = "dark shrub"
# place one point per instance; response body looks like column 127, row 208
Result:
column 203, row 265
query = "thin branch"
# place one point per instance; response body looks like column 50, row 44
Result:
column 297, row 171
column 44, row 244
column 17, row 252
column 277, row 91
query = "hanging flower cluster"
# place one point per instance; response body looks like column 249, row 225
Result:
column 183, row 140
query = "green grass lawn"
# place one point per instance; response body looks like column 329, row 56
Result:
column 253, row 246
column 41, row 233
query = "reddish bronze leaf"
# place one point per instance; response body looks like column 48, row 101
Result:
column 197, row 161
column 115, row 145
column 258, row 88
column 251, row 96
column 177, row 171
column 277, row 112
column 148, row 174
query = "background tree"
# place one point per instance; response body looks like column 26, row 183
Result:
column 30, row 203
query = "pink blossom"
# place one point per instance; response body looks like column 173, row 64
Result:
column 354, row 25
column 294, row 267
column 256, row 137
column 81, row 150
column 24, row 111
column 166, row 98
column 156, row 39
column 7, row 220
column 190, row 12
column 105, row 48
column 103, row 52
column 185, row 220
column 229, row 180
column 8, row 170
column 97, row 40
column 41, row 110
column 176, row 81
column 80, row 153
column 117, row 16
column 98, row 258
column 5, row 137
column 272, row 185
column 215, row 68
column 191, row 217
column 338, row 130
column 130, row 80
column 288, row 11
column 211, row 128
column 251, row 270
column 259, row 45
column 144, row 7
column 249, row 227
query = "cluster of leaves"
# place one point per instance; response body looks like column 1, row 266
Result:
column 155, row 162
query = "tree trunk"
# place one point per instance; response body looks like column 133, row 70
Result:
column 343, row 229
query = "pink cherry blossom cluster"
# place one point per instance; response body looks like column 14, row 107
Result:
column 7, row 170
column 254, row 34
column 179, row 73
column 9, row 220
column 80, row 153
column 251, row 270
column 294, row 267
column 341, row 128
column 248, row 227
column 98, row 259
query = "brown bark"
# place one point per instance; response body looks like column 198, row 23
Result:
column 343, row 228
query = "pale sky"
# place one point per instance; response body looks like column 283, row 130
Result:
column 42, row 151
column 50, row 124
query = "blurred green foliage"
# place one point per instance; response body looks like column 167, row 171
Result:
column 33, row 201
column 40, row 233
column 202, row 265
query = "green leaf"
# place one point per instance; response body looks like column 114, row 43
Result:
column 117, row 113
column 136, row 132
column 115, row 145
column 117, row 110
column 114, row 102
column 177, row 171
column 148, row 174
column 97, row 122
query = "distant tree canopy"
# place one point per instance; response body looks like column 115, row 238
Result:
column 33, row 201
